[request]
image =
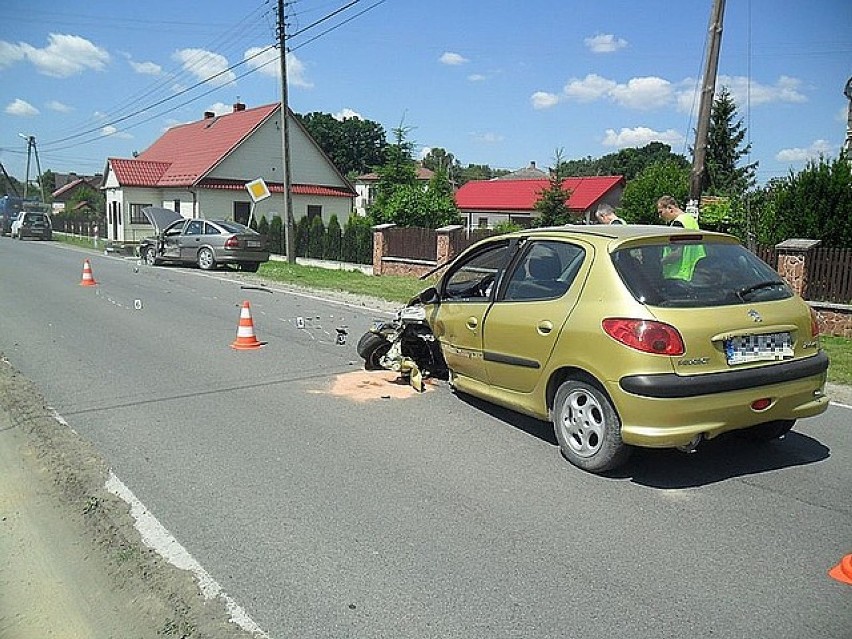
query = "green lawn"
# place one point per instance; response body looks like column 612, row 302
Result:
column 839, row 350
column 401, row 289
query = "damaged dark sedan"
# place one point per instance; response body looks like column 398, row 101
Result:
column 206, row 243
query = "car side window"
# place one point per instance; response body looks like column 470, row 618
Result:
column 475, row 278
column 195, row 227
column 209, row 229
column 546, row 270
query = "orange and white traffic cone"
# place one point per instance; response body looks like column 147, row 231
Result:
column 842, row 572
column 245, row 331
column 88, row 278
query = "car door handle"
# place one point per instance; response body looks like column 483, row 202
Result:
column 544, row 327
column 472, row 323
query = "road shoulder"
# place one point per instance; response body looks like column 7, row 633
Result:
column 76, row 565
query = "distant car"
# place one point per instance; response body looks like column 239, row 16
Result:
column 628, row 336
column 6, row 220
column 207, row 243
column 32, row 224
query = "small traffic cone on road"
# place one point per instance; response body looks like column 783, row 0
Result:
column 88, row 278
column 842, row 571
column 245, row 331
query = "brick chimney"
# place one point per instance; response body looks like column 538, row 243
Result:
column 239, row 106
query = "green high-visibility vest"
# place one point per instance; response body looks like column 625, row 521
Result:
column 683, row 267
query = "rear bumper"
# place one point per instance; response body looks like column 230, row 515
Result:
column 231, row 257
column 666, row 410
column 670, row 386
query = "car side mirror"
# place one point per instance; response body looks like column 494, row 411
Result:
column 429, row 296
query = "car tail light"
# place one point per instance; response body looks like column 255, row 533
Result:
column 645, row 335
column 232, row 243
column 814, row 323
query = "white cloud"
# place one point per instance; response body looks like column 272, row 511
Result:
column 220, row 108
column 643, row 93
column 267, row 61
column 64, row 56
column 814, row 151
column 21, row 108
column 487, row 137
column 786, row 89
column 590, row 88
column 59, row 107
column 543, row 100
column 640, row 136
column 204, row 65
column 638, row 93
column 346, row 114
column 111, row 131
column 743, row 91
column 452, row 59
column 476, row 77
column 10, row 53
column 842, row 114
column 425, row 151
column 652, row 92
column 605, row 43
column 146, row 68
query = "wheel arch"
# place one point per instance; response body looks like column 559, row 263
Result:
column 561, row 375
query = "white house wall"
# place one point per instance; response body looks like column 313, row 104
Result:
column 259, row 156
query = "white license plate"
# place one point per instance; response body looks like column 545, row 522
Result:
column 758, row 348
column 253, row 244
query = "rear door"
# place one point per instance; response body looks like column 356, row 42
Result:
column 525, row 321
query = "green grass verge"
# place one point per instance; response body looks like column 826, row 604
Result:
column 387, row 287
column 839, row 350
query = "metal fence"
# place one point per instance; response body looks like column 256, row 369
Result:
column 412, row 243
column 830, row 275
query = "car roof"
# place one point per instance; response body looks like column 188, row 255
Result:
column 608, row 232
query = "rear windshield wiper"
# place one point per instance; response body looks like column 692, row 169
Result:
column 756, row 287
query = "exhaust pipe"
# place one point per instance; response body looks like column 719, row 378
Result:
column 691, row 446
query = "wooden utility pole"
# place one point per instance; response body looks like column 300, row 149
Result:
column 709, row 84
column 289, row 233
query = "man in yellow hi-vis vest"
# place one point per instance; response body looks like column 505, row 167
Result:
column 679, row 262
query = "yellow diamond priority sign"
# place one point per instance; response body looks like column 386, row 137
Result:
column 258, row 190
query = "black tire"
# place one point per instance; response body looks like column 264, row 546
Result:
column 372, row 348
column 250, row 267
column 587, row 427
column 206, row 260
column 768, row 430
column 149, row 256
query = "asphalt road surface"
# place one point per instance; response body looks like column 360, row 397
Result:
column 430, row 515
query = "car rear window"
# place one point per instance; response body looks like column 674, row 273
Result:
column 697, row 274
column 236, row 227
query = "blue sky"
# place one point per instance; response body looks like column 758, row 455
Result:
column 501, row 83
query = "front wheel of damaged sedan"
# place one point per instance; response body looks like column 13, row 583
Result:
column 206, row 260
column 587, row 427
column 149, row 256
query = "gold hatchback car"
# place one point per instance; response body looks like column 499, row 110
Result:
column 629, row 336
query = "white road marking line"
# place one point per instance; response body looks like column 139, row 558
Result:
column 156, row 537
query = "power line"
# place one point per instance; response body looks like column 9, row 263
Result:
column 51, row 144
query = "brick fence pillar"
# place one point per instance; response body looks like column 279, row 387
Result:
column 793, row 263
column 444, row 245
column 379, row 246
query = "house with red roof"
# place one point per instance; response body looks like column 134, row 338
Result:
column 485, row 203
column 365, row 187
column 201, row 169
